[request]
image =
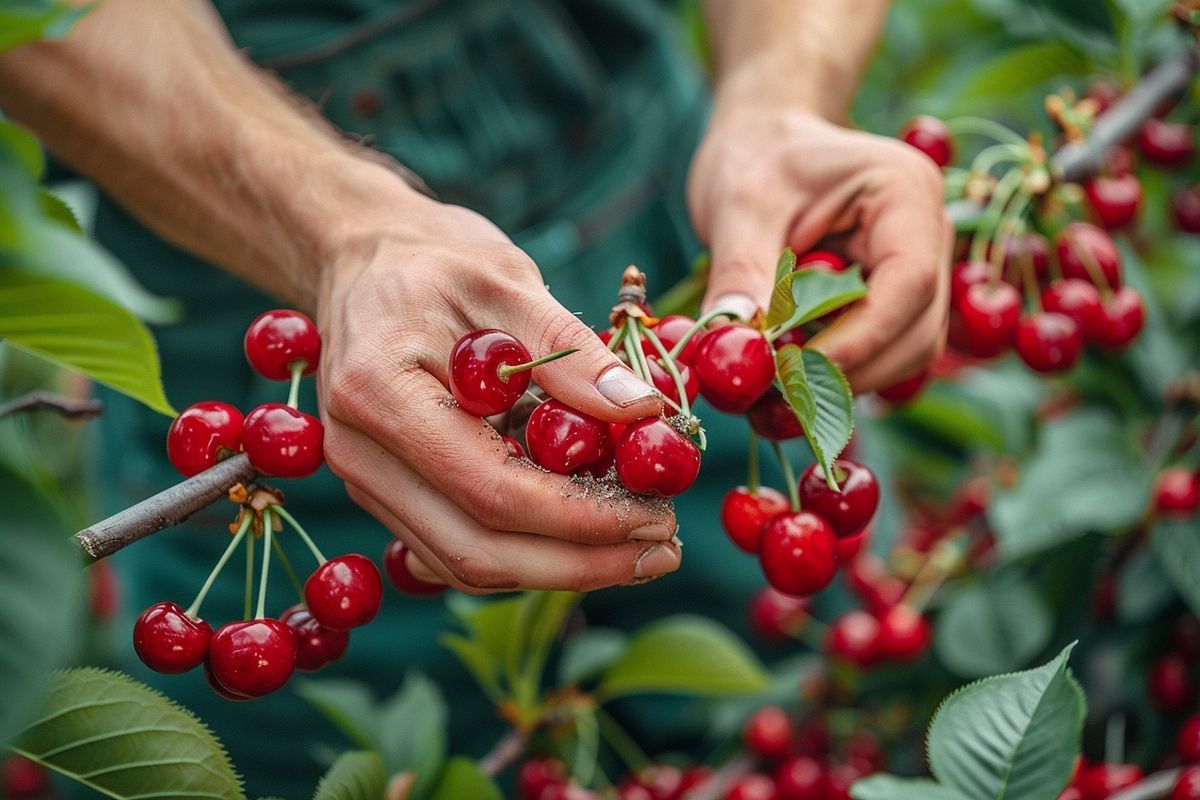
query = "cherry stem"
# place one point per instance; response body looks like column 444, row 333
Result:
column 633, row 351
column 1094, row 271
column 617, row 339
column 286, row 563
column 297, row 368
column 788, row 475
column 194, row 608
column 624, row 745
column 668, row 364
column 248, row 600
column 504, row 370
column 700, row 325
column 1008, row 186
column 752, row 479
column 991, row 157
column 290, row 520
column 942, row 559
column 1114, row 739
column 266, row 565
column 984, row 127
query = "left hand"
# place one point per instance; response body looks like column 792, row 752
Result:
column 768, row 176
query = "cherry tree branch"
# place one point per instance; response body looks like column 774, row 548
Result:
column 64, row 406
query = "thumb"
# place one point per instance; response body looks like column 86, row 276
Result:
column 745, row 244
column 400, row 786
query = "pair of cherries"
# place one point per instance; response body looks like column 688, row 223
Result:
column 279, row 439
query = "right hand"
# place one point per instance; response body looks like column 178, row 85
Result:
column 390, row 309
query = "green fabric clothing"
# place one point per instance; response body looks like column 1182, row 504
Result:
column 571, row 125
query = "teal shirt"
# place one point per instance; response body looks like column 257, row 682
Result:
column 568, row 123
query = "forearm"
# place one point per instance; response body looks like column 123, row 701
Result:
column 809, row 53
column 152, row 101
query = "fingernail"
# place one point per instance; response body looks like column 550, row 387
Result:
column 653, row 532
column 622, row 388
column 655, row 561
column 743, row 305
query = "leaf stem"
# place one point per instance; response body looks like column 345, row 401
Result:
column 788, row 475
column 194, row 608
column 511, row 369
column 297, row 368
column 290, row 520
column 266, row 564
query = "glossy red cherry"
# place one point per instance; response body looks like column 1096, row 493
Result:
column 254, row 657
column 663, row 381
column 822, row 260
column 988, row 317
column 1187, row 741
column 1025, row 248
column 735, row 366
column 538, row 774
column 847, row 548
column 21, row 778
column 277, row 339
column 1080, row 246
column 670, row 329
column 316, row 645
column 1170, row 682
column 476, row 378
column 1121, row 320
column 904, row 634
column 776, row 616
column 849, row 510
column 1177, row 493
column 904, row 391
column 283, row 442
column 401, row 577
column 965, row 274
column 654, row 458
column 600, row 468
column 800, row 778
column 1187, row 785
column 1049, row 341
column 1077, row 299
column 167, row 640
column 344, row 592
column 796, row 553
column 562, row 439
column 1166, row 144
column 752, row 787
column 931, row 136
column 796, row 336
column 1185, row 209
column 202, row 434
column 514, row 448
column 1114, row 199
column 768, row 733
column 221, row 691
column 1099, row 781
column 855, row 637
column 772, row 418
column 745, row 513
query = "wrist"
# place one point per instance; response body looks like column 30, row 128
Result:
column 791, row 76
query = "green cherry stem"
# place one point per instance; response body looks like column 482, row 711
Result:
column 297, row 368
column 752, row 478
column 669, row 365
column 1008, row 186
column 511, row 369
column 194, row 608
column 617, row 339
column 248, row 601
column 984, row 127
column 266, row 565
column 700, row 325
column 290, row 520
column 633, row 353
column 286, row 563
column 788, row 475
column 624, row 745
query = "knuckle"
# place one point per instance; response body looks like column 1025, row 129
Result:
column 351, row 383
column 556, row 329
column 339, row 455
column 489, row 504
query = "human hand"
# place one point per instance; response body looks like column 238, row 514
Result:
column 770, row 175
column 389, row 310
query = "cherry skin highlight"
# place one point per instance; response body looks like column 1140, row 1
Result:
column 283, row 442
column 797, row 554
column 277, row 339
column 654, row 458
column 735, row 366
column 167, row 640
column 475, row 379
column 744, row 514
column 562, row 439
column 252, row 658
column 847, row 511
column 344, row 592
column 200, row 435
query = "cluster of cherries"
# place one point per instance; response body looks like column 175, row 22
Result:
column 253, row 657
column 548, row 779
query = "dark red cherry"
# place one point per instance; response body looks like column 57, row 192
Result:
column 167, row 640
column 663, row 381
column 283, row 442
column 694, row 778
column 1166, row 144
column 1077, row 299
column 1049, row 341
column 800, row 778
column 513, row 447
column 202, row 434
column 476, row 377
column 1115, row 200
column 600, row 468
column 847, row 548
column 22, row 779
column 538, row 774
column 1170, row 682
column 562, row 439
column 795, row 336
column 1187, row 785
column 735, row 366
column 654, row 458
column 855, row 637
column 1080, row 247
column 776, row 616
column 905, row 391
column 1100, row 781
column 870, row 579
column 988, row 318
column 344, row 592
column 401, row 577
column 277, row 339
column 768, row 733
column 752, row 787
column 670, row 329
column 1187, row 741
column 1177, row 493
column 1185, row 208
column 931, row 136
column 772, row 418
column 221, row 691
column 849, row 510
column 316, row 645
column 822, row 260
column 904, row 635
column 796, row 553
column 1121, row 320
column 744, row 514
column 254, row 657
column 965, row 274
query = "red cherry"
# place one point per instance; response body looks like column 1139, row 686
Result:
column 401, row 577
column 988, row 316
column 745, row 513
column 849, row 510
column 202, row 434
column 316, row 645
column 1121, row 320
column 1170, row 682
column 1187, row 786
column 167, row 640
column 1185, row 208
column 1022, row 250
column 870, row 580
column 661, row 781
column 855, row 637
column 1120, row 160
column 654, row 458
column 277, row 339
column 1071, row 793
column 104, row 592
column 931, row 136
column 663, row 381
column 800, row 778
column 965, row 274
column 904, row 635
column 1104, row 94
column 822, row 260
column 796, row 553
column 538, row 774
column 514, row 448
column 1077, row 299
column 795, row 336
column 1187, row 742
column 283, row 442
column 768, row 733
column 752, row 787
column 1166, row 144
column 562, row 439
column 254, row 657
column 735, row 366
column 21, row 778
column 865, row 748
column 776, row 616
column 568, row 791
column 1115, row 200
column 1081, row 244
column 670, row 329
column 630, row 789
column 221, row 691
column 903, row 392
column 475, row 379
column 840, row 778
column 772, row 418
column 600, row 469
column 847, row 548
column 1177, row 493
column 1049, row 341
column 1099, row 781
column 694, row 778
column 344, row 592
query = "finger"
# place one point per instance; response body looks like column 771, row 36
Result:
column 747, row 238
column 418, row 568
column 400, row 786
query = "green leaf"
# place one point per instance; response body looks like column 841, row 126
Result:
column 121, row 738
column 786, row 264
column 782, row 306
column 28, row 20
column 56, row 209
column 462, row 779
column 412, row 732
column 820, row 396
column 1084, row 476
column 22, row 146
column 349, row 705
column 41, row 598
column 889, row 787
column 816, row 292
column 81, row 331
column 589, row 652
column 478, row 661
column 1010, row 737
column 1176, row 543
column 996, row 625
column 356, row 775
column 1017, row 69
column 684, row 654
